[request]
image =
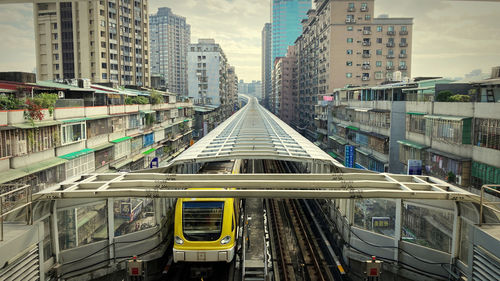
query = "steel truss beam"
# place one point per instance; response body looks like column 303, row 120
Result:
column 328, row 186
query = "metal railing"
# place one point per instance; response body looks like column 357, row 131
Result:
column 482, row 202
column 11, row 201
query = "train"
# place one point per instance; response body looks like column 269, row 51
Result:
column 206, row 229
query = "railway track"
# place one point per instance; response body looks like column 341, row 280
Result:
column 297, row 255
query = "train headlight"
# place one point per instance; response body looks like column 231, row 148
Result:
column 178, row 240
column 225, row 240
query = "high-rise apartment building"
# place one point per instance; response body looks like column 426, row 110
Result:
column 106, row 41
column 207, row 65
column 170, row 39
column 267, row 64
column 342, row 44
column 286, row 27
column 284, row 95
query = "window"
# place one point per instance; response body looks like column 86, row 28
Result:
column 379, row 52
column 364, row 6
column 487, row 133
column 402, row 63
column 368, row 17
column 390, row 63
column 379, row 40
column 348, row 63
column 403, row 28
column 351, row 6
column 379, row 28
column 348, row 75
column 104, row 65
column 56, row 56
column 73, row 133
column 104, row 76
column 349, row 28
column 196, row 225
column 349, row 52
column 378, row 63
column 378, row 75
column 390, row 28
column 349, row 40
column 54, row 26
column 57, row 66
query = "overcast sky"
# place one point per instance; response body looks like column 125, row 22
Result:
column 450, row 38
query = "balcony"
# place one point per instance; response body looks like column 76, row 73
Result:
column 389, row 67
column 367, row 43
column 366, row 55
column 390, row 56
column 403, row 32
column 350, row 20
column 391, row 33
column 390, row 44
column 367, row 32
column 364, row 9
column 365, row 78
column 403, row 44
column 403, row 56
column 402, row 67
column 366, row 67
column 351, row 9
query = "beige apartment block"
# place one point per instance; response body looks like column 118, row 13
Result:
column 342, row 44
column 105, row 41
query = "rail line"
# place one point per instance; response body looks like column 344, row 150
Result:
column 297, row 255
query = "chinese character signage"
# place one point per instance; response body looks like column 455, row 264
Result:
column 349, row 156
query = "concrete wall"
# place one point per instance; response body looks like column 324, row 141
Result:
column 97, row 140
column 96, row 110
column 69, row 112
column 70, row 148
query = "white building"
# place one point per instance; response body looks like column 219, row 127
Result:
column 207, row 73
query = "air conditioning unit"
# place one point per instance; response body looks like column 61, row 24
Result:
column 60, row 94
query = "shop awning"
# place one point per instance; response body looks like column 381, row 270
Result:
column 448, row 155
column 338, row 139
column 334, row 155
column 43, row 165
column 444, row 117
column 37, row 124
column 416, row 113
column 76, row 154
column 363, row 151
column 149, row 151
column 75, row 120
column 412, row 144
column 103, row 146
column 121, row 139
column 353, row 128
column 11, row 174
column 147, row 111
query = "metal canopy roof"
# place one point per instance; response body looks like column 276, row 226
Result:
column 254, row 133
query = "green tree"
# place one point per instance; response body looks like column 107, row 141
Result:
column 156, row 97
column 443, row 96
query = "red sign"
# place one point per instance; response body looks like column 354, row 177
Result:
column 135, row 271
column 373, row 272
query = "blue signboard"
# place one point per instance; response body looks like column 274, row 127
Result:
column 149, row 139
column 349, row 156
column 154, row 163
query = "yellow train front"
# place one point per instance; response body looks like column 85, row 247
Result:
column 206, row 229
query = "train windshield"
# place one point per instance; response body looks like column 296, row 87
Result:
column 202, row 221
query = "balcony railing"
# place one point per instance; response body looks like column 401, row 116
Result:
column 402, row 67
column 366, row 67
column 351, row 9
column 366, row 55
column 390, row 56
column 349, row 20
column 367, row 43
column 390, row 45
column 403, row 32
column 403, row 44
column 403, row 56
column 364, row 9
column 365, row 78
column 391, row 33
column 389, row 67
column 367, row 32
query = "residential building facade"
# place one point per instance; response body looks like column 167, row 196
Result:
column 170, row 39
column 105, row 41
column 284, row 96
column 267, row 64
column 388, row 127
column 343, row 44
column 110, row 132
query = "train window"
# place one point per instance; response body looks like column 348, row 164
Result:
column 202, row 220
